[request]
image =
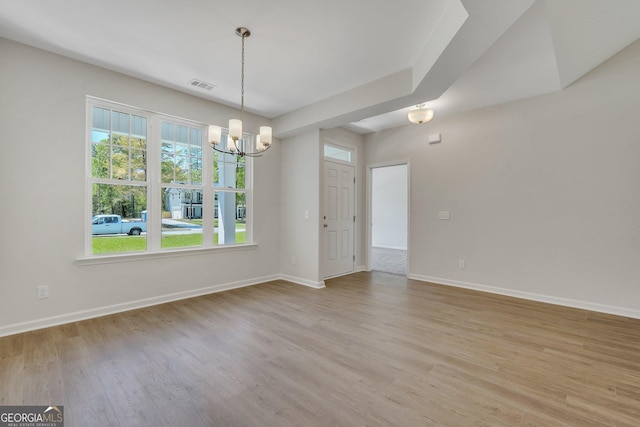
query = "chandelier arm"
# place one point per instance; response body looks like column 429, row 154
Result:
column 258, row 154
column 241, row 153
column 219, row 150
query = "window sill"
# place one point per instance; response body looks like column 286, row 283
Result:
column 169, row 253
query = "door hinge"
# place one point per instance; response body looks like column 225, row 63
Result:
column 354, row 218
column 354, row 179
column 354, row 257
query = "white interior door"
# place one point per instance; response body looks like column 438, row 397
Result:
column 339, row 219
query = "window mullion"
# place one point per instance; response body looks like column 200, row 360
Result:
column 154, row 207
column 248, row 196
column 207, row 192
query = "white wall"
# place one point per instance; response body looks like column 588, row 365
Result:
column 543, row 193
column 42, row 167
column 300, row 183
column 389, row 200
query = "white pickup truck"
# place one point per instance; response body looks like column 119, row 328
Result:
column 114, row 224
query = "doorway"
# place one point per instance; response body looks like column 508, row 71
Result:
column 389, row 215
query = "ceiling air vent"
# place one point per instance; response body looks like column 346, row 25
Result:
column 202, row 85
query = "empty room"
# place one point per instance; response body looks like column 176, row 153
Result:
column 337, row 213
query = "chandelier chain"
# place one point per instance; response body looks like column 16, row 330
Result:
column 242, row 82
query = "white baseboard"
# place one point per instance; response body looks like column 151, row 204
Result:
column 361, row 268
column 132, row 305
column 301, row 281
column 601, row 308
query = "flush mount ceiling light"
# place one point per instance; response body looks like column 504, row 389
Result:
column 236, row 144
column 421, row 115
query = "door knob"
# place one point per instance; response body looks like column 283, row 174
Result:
column 325, row 226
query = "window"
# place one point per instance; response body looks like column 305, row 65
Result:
column 338, row 153
column 119, row 178
column 181, row 188
column 155, row 184
column 230, row 209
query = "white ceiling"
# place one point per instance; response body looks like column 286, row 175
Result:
column 352, row 63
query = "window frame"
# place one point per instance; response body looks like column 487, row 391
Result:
column 154, row 186
column 341, row 148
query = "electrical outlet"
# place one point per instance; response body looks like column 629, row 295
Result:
column 293, row 260
column 43, row 291
column 461, row 264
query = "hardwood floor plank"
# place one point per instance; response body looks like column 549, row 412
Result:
column 370, row 349
column 11, row 346
column 11, row 379
column 65, row 331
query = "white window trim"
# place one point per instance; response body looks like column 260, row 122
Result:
column 154, row 185
column 164, row 253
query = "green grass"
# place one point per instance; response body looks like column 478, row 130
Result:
column 116, row 244
column 181, row 240
column 122, row 244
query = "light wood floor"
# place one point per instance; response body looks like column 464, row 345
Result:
column 372, row 349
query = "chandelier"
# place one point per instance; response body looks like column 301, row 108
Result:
column 421, row 115
column 236, row 144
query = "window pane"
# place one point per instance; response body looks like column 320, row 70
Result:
column 182, row 134
column 216, row 169
column 119, row 218
column 182, row 169
column 228, row 169
column 100, row 136
column 230, row 213
column 138, row 165
column 196, row 170
column 112, row 156
column 140, row 143
column 121, row 140
column 195, row 166
column 139, row 127
column 182, row 146
column 337, row 153
column 100, row 147
column 120, row 122
column 195, row 137
column 102, row 119
column 182, row 149
column 226, row 175
column 167, row 131
column 229, row 175
column 240, row 174
column 101, row 160
column 181, row 217
column 167, row 168
column 119, row 163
